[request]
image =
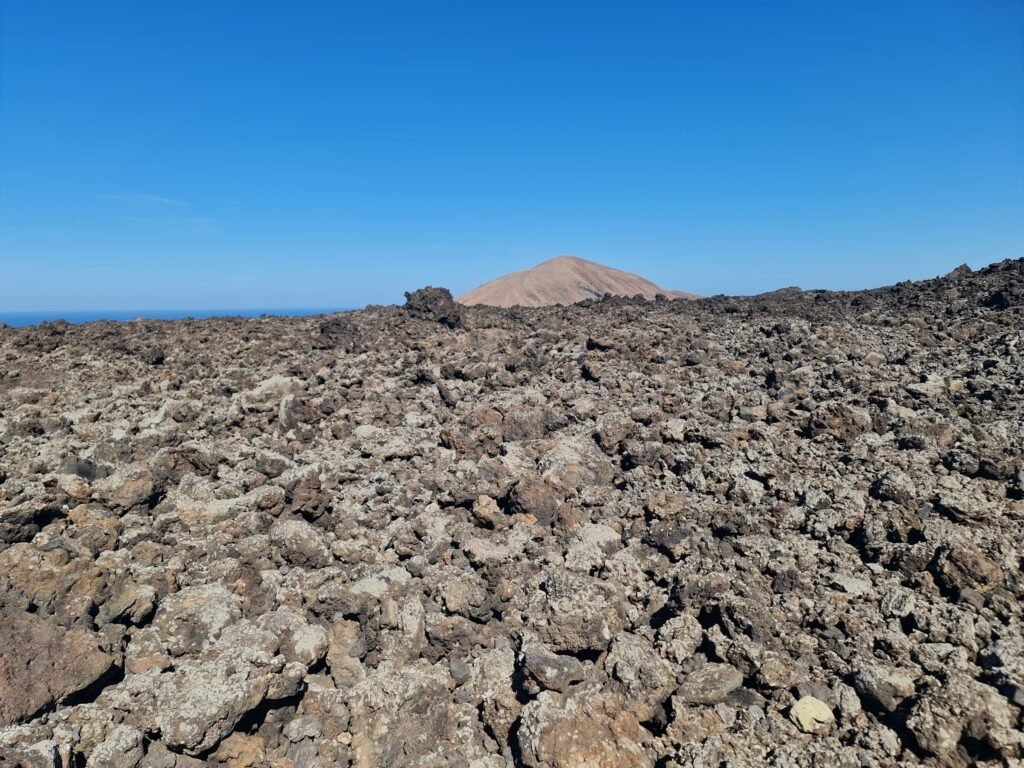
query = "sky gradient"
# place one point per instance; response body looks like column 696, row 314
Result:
column 269, row 154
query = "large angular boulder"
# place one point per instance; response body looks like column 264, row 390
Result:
column 42, row 664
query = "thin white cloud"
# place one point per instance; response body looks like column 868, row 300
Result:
column 144, row 199
column 191, row 221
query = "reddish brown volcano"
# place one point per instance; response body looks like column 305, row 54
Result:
column 563, row 280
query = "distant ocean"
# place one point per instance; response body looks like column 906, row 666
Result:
column 88, row 316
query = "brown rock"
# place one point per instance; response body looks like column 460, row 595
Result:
column 963, row 565
column 584, row 731
column 240, row 750
column 533, row 496
column 42, row 664
column 486, row 511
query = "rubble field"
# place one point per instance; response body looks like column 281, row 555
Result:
column 775, row 530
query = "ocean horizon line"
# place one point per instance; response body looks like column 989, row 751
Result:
column 76, row 317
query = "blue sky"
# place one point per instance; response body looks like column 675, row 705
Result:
column 270, row 154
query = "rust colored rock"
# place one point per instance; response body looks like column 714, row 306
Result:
column 532, row 496
column 584, row 731
column 963, row 565
column 42, row 664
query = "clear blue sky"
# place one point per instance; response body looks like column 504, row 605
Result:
column 201, row 153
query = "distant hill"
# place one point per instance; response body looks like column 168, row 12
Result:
column 563, row 280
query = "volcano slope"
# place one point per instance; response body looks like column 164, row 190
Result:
column 779, row 530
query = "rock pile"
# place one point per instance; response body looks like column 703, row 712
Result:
column 777, row 530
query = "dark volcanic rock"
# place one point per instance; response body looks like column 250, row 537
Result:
column 783, row 529
column 435, row 304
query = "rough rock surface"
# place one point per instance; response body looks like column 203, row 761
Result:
column 42, row 664
column 782, row 530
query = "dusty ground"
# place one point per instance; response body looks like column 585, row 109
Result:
column 782, row 530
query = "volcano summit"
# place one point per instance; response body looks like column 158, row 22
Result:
column 564, row 280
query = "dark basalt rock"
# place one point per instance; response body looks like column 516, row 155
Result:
column 435, row 304
column 616, row 533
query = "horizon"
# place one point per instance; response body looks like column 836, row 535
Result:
column 225, row 157
column 86, row 315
